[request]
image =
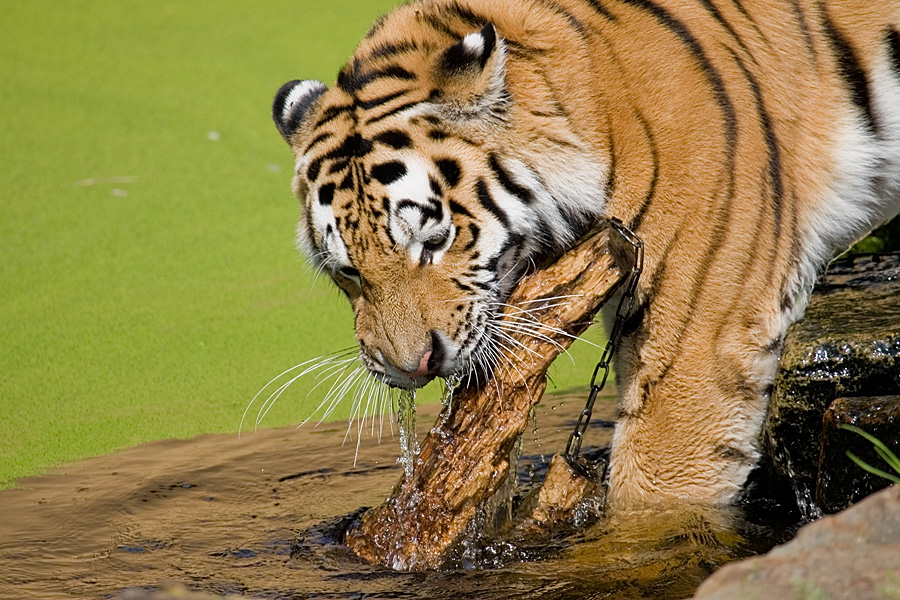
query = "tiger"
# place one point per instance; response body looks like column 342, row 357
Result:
column 745, row 143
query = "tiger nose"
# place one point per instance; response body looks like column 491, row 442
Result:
column 431, row 361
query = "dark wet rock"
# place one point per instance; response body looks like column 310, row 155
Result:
column 840, row 481
column 847, row 345
column 853, row 555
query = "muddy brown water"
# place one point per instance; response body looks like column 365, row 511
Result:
column 260, row 516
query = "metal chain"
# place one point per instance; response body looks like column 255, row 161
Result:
column 626, row 304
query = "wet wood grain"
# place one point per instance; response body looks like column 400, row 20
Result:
column 465, row 460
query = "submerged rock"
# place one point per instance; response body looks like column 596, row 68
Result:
column 847, row 345
column 840, row 481
column 854, row 555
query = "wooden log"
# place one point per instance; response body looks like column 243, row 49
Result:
column 465, row 459
column 564, row 489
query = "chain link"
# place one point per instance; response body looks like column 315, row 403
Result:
column 625, row 307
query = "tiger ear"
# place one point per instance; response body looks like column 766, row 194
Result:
column 470, row 75
column 293, row 103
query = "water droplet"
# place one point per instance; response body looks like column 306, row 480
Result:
column 406, row 423
column 450, row 384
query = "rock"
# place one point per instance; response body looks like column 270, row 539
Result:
column 840, row 481
column 848, row 344
column 854, row 555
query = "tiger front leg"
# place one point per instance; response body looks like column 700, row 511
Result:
column 692, row 401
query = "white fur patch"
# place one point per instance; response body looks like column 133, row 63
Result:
column 474, row 44
column 411, row 225
column 324, row 222
column 298, row 94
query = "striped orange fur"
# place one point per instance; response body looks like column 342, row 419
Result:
column 745, row 142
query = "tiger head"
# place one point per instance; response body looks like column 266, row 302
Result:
column 412, row 203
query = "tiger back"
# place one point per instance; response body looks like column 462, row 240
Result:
column 464, row 141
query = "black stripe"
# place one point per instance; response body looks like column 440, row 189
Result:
column 347, row 182
column 338, row 165
column 574, row 22
column 892, row 38
column 717, row 15
column 439, row 25
column 521, row 192
column 458, row 209
column 559, row 142
column 387, row 50
column 353, row 146
column 376, row 26
column 474, row 231
column 317, row 140
column 326, row 194
column 428, row 212
column 722, row 99
column 723, row 211
column 461, row 285
column 332, row 112
column 804, row 28
column 544, row 237
column 389, row 172
column 743, row 10
column 611, row 176
column 712, row 75
column 487, row 201
column 523, row 50
column 434, row 210
column 775, row 174
column 376, row 102
column 394, row 138
column 393, row 111
column 466, row 15
column 601, row 10
column 350, row 80
column 450, row 170
column 654, row 178
column 851, row 71
column 312, row 171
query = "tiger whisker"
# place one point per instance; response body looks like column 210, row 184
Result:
column 338, row 392
column 509, row 352
column 537, row 335
column 530, row 332
column 547, row 299
column 500, row 331
column 323, row 359
column 318, row 363
column 531, row 321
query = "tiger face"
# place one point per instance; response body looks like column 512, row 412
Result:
column 413, row 208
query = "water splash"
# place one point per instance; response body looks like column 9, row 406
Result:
column 450, row 385
column 809, row 510
column 406, row 423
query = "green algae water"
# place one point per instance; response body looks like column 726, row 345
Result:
column 261, row 516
